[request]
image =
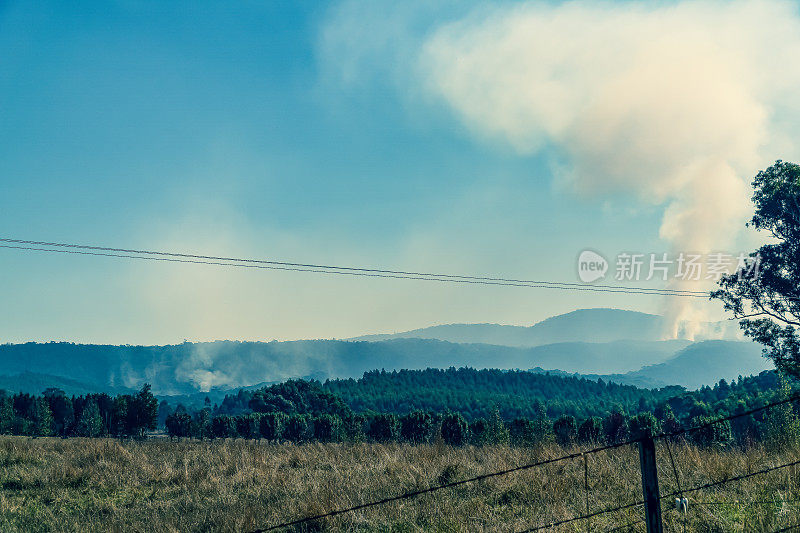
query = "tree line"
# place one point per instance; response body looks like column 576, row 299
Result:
column 92, row 415
column 301, row 411
column 478, row 393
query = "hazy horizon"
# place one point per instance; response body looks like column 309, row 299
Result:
column 461, row 138
column 702, row 330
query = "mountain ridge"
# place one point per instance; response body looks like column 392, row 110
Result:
column 600, row 324
column 189, row 368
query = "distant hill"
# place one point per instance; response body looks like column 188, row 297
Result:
column 696, row 365
column 705, row 363
column 187, row 368
column 33, row 383
column 588, row 341
column 584, row 325
column 601, row 357
column 215, row 368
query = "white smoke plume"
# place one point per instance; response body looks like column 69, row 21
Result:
column 677, row 104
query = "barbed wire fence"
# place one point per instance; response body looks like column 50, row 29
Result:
column 651, row 526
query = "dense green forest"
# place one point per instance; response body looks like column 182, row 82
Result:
column 92, row 415
column 422, row 406
column 457, row 405
column 478, row 393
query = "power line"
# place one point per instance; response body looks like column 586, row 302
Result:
column 330, row 269
column 450, row 278
column 307, row 265
column 372, row 275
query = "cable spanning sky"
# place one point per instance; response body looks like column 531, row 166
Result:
column 433, row 137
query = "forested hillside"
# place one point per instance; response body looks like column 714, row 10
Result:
column 458, row 405
column 409, row 405
column 480, row 393
column 221, row 366
column 477, row 393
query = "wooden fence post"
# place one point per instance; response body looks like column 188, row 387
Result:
column 652, row 498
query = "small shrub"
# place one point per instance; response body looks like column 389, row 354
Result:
column 455, row 430
column 384, row 427
column 565, row 430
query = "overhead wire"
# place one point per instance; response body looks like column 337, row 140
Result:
column 176, row 257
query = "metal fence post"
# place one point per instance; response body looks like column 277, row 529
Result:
column 652, row 500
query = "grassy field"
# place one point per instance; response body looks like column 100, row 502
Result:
column 103, row 485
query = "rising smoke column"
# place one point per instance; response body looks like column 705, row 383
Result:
column 678, row 105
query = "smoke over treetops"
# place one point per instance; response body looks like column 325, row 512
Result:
column 676, row 104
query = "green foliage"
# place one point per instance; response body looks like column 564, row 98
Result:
column 327, row 428
column 295, row 397
column 90, row 423
column 644, row 425
column 478, row 393
column 353, row 427
column 179, row 423
column 297, row 428
column 6, row 413
column 668, row 415
column 417, row 427
column 766, row 292
column 565, row 430
column 247, row 426
column 717, row 435
column 119, row 415
column 384, row 427
column 271, row 425
column 43, row 421
column 498, row 430
column 667, row 419
column 523, row 432
column 201, row 424
column 479, row 432
column 62, row 409
column 223, row 426
column 591, row 431
column 125, row 415
column 615, row 428
column 142, row 412
column 782, row 429
column 455, row 429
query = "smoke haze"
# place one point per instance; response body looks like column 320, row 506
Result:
column 678, row 105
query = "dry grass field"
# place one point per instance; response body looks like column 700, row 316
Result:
column 50, row 484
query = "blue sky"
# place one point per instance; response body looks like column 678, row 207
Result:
column 296, row 131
